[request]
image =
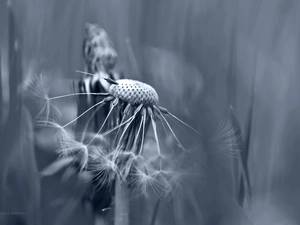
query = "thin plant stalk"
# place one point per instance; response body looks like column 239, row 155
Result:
column 10, row 127
column 155, row 212
column 0, row 95
column 121, row 203
column 16, row 136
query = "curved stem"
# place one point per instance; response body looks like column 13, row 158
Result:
column 155, row 135
column 169, row 126
column 99, row 103
column 155, row 212
column 111, row 109
column 76, row 94
column 88, row 122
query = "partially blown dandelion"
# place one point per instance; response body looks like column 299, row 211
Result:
column 133, row 109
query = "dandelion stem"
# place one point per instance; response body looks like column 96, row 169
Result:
column 121, row 204
column 125, row 114
column 128, row 124
column 171, row 130
column 88, row 122
column 115, row 102
column 76, row 94
column 99, row 103
column 144, row 113
column 166, row 132
column 155, row 135
column 120, row 125
column 125, row 129
column 138, row 132
column 155, row 212
column 176, row 118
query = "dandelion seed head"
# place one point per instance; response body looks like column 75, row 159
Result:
column 134, row 92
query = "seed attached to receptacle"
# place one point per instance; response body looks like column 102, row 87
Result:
column 134, row 92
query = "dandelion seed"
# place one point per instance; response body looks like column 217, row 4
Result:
column 226, row 145
column 104, row 167
column 37, row 86
column 60, row 131
column 70, row 147
column 147, row 180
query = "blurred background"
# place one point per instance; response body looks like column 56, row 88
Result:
column 212, row 62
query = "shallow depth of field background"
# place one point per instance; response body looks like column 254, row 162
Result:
column 202, row 56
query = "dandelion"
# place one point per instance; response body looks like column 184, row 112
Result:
column 133, row 110
column 136, row 103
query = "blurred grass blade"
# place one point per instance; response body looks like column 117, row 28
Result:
column 1, row 101
column 155, row 212
column 30, row 168
column 57, row 166
column 132, row 58
column 121, row 204
column 238, row 212
column 244, row 173
column 67, row 211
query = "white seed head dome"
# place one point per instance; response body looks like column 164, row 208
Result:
column 134, row 92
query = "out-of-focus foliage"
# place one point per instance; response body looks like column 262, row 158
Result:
column 19, row 180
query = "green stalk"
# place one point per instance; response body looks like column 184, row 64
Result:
column 0, row 95
column 11, row 126
column 121, row 204
column 121, row 189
